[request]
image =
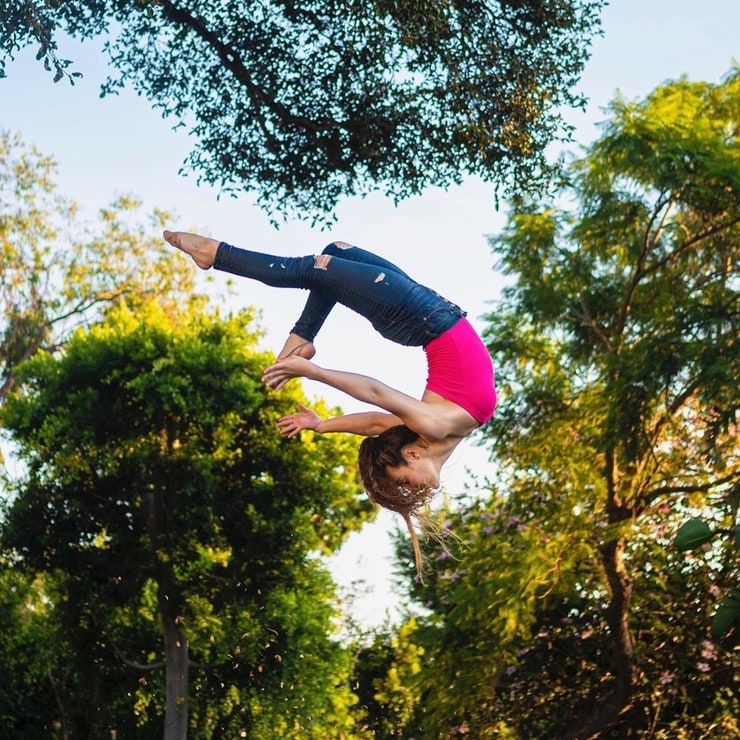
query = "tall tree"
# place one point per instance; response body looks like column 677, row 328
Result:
column 182, row 533
column 616, row 352
column 307, row 102
column 57, row 271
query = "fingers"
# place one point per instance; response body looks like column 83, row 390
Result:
column 289, row 431
column 302, row 413
column 269, row 376
column 275, row 379
column 289, row 426
column 277, row 375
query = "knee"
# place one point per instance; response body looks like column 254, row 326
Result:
column 321, row 261
column 336, row 248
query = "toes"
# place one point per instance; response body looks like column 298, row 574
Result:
column 171, row 237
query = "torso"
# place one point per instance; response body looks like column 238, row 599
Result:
column 460, row 377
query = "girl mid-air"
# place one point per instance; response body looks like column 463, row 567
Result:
column 407, row 443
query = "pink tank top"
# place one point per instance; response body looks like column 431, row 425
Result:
column 460, row 370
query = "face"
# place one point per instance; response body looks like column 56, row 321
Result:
column 417, row 473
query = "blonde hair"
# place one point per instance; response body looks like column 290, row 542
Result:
column 385, row 450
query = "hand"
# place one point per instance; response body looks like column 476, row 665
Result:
column 306, row 418
column 277, row 375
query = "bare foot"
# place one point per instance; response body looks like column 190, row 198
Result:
column 202, row 249
column 295, row 345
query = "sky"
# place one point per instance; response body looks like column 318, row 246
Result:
column 119, row 145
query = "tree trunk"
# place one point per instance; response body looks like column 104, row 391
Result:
column 176, row 657
column 611, row 708
column 175, row 644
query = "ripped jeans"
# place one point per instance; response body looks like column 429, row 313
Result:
column 399, row 308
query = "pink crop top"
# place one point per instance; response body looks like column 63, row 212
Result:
column 460, row 370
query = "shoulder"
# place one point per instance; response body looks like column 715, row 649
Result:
column 443, row 418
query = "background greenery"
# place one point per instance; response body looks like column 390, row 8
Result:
column 162, row 547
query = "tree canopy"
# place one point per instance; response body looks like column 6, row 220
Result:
column 174, row 536
column 565, row 609
column 58, row 271
column 307, row 102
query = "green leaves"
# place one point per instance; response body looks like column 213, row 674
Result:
column 613, row 346
column 309, row 103
column 693, row 534
column 157, row 486
column 727, row 615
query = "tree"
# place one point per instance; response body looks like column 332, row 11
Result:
column 309, row 102
column 695, row 534
column 56, row 271
column 384, row 681
column 181, row 531
column 616, row 353
column 31, row 642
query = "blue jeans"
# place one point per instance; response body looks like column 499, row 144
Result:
column 399, row 308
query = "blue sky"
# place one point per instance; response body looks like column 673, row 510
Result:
column 106, row 147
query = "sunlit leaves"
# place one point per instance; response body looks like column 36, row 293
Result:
column 387, row 681
column 615, row 345
column 57, row 271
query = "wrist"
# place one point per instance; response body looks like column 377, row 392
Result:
column 314, row 372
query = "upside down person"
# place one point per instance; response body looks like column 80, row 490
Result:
column 408, row 440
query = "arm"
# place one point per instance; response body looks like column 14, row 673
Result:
column 416, row 414
column 367, row 423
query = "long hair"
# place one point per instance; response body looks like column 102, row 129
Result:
column 383, row 451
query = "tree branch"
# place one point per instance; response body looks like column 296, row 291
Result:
column 131, row 663
column 589, row 321
column 690, row 243
column 661, row 212
column 231, row 60
column 732, row 477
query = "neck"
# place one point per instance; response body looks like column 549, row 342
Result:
column 440, row 450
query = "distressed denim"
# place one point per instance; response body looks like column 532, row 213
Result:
column 399, row 308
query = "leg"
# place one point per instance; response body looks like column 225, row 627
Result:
column 203, row 252
column 318, row 305
column 297, row 345
column 400, row 309
column 357, row 254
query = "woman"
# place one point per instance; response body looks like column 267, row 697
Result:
column 408, row 442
